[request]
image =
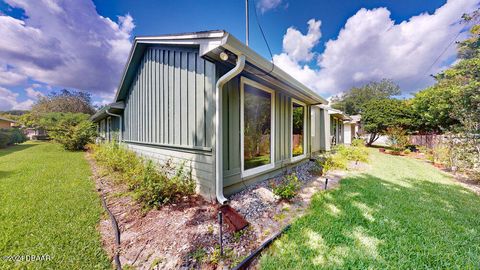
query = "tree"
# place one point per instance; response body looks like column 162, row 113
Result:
column 64, row 101
column 380, row 114
column 72, row 130
column 432, row 108
column 354, row 100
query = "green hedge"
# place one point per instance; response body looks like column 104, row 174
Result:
column 11, row 136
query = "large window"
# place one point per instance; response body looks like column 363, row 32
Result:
column 257, row 127
column 298, row 129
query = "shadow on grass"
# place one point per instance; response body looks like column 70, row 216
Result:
column 16, row 148
column 375, row 223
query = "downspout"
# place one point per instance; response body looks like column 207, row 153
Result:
column 218, row 127
column 120, row 125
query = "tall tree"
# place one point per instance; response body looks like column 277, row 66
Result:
column 66, row 101
column 380, row 114
column 353, row 101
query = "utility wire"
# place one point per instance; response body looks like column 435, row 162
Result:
column 441, row 54
column 265, row 39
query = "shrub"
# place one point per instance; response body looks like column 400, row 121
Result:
column 151, row 184
column 340, row 156
column 407, row 151
column 335, row 161
column 288, row 188
column 358, row 143
column 72, row 130
column 397, row 138
column 11, row 136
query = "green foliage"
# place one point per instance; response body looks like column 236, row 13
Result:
column 358, row 143
column 151, row 184
column 288, row 188
column 335, row 161
column 397, row 138
column 11, row 136
column 72, row 130
column 341, row 155
column 432, row 108
column 354, row 100
column 382, row 114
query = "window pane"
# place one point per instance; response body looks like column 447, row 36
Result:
column 298, row 126
column 257, row 127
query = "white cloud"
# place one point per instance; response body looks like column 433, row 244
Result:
column 8, row 101
column 65, row 44
column 266, row 5
column 10, row 77
column 371, row 46
column 299, row 46
column 33, row 93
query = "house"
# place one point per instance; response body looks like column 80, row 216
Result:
column 207, row 100
column 7, row 123
column 35, row 133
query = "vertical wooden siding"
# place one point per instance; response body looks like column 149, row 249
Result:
column 170, row 99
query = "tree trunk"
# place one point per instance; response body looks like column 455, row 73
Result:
column 372, row 138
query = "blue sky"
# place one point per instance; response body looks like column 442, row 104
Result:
column 328, row 45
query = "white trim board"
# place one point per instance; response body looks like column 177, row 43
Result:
column 304, row 139
column 271, row 165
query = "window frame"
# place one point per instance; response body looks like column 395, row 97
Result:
column 271, row 165
column 302, row 156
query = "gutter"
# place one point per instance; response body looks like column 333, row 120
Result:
column 120, row 126
column 218, row 127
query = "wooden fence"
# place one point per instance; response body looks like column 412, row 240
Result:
column 427, row 140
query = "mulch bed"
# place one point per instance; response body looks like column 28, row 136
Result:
column 184, row 235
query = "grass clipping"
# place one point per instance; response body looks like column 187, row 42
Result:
column 151, row 184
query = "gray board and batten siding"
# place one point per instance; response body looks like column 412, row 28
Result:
column 169, row 111
column 169, row 115
column 232, row 173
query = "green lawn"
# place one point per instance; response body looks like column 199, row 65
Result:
column 48, row 206
column 400, row 214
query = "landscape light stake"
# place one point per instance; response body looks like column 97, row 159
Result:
column 220, row 239
column 326, row 183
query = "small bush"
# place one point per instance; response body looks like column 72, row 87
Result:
column 11, row 136
column 288, row 188
column 335, row 161
column 358, row 143
column 397, row 138
column 72, row 130
column 341, row 155
column 407, row 151
column 152, row 185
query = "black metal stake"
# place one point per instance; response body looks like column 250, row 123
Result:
column 220, row 239
column 326, row 183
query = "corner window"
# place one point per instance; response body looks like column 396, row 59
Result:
column 298, row 129
column 257, row 127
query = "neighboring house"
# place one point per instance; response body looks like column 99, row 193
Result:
column 337, row 123
column 7, row 123
column 356, row 119
column 35, row 133
column 176, row 88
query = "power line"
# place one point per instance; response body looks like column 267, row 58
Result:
column 441, row 54
column 265, row 39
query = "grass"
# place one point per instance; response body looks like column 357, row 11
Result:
column 400, row 214
column 48, row 206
